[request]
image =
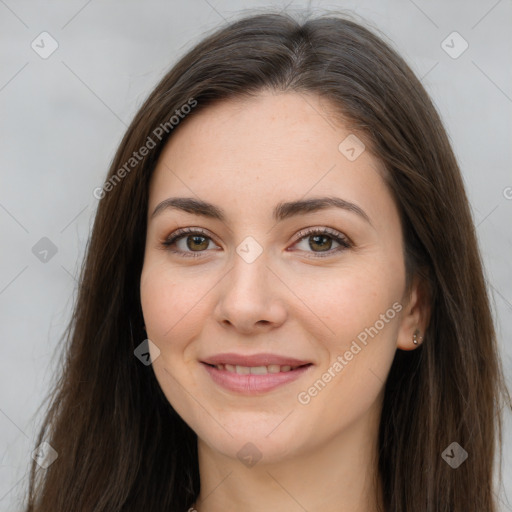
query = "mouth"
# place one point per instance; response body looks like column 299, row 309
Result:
column 254, row 380
column 257, row 370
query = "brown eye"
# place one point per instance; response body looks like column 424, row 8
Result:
column 188, row 242
column 321, row 240
column 196, row 242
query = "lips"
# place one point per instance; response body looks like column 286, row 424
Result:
column 256, row 370
column 254, row 374
column 254, row 360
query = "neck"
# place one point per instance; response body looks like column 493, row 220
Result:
column 340, row 475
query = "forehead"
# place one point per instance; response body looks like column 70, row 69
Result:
column 252, row 153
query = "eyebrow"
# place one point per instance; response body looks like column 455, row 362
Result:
column 281, row 211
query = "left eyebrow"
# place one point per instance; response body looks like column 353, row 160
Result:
column 285, row 210
column 281, row 212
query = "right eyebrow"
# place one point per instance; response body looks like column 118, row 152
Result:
column 190, row 205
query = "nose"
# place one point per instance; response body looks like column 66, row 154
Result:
column 251, row 297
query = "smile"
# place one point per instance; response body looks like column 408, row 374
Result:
column 256, row 370
column 254, row 379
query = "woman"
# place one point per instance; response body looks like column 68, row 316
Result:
column 282, row 304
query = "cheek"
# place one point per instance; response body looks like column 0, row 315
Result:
column 168, row 305
column 170, row 317
column 156, row 295
column 359, row 307
column 341, row 302
column 165, row 299
column 359, row 355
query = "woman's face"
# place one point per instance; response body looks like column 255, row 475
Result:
column 269, row 268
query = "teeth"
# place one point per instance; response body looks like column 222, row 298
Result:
column 255, row 370
column 259, row 370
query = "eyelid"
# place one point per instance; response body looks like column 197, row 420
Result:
column 339, row 237
column 180, row 232
column 318, row 230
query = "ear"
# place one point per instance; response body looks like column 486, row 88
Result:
column 415, row 315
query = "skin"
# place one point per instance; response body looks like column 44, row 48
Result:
column 246, row 156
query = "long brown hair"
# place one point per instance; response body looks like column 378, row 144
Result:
column 120, row 444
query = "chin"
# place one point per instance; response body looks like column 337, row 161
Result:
column 250, row 450
column 269, row 439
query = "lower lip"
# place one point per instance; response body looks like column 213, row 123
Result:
column 250, row 384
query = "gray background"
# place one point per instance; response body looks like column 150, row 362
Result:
column 63, row 117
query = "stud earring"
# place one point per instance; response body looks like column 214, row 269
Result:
column 416, row 336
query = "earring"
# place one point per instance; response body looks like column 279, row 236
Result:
column 416, row 336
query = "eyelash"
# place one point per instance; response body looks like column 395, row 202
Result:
column 343, row 240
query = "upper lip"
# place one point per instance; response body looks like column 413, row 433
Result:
column 254, row 360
